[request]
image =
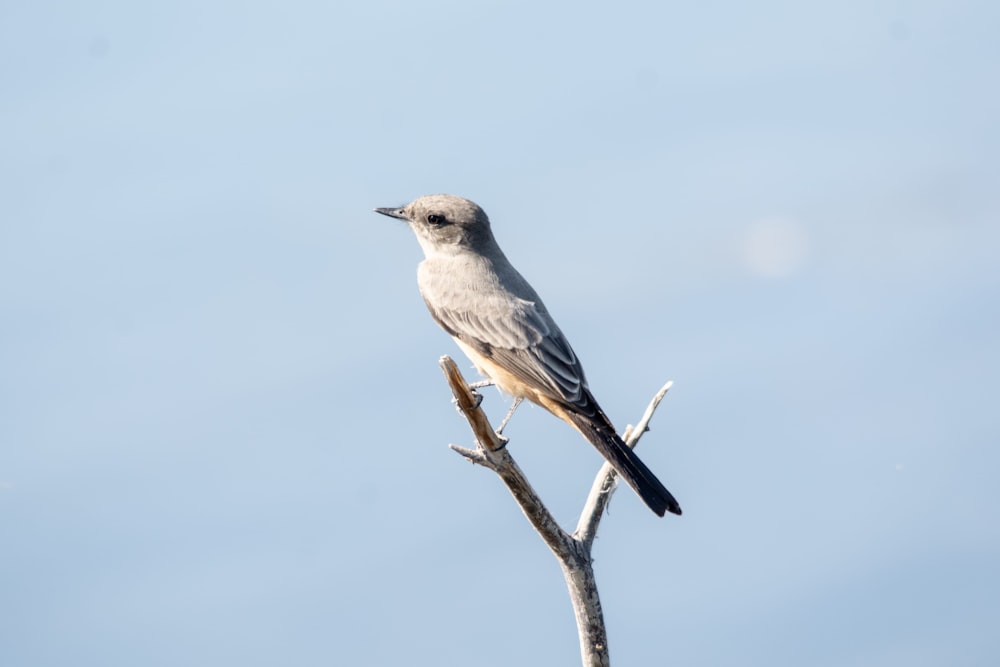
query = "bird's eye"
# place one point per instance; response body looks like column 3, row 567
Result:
column 435, row 219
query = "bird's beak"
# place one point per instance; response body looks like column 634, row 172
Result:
column 392, row 212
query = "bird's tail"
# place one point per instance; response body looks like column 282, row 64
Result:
column 601, row 434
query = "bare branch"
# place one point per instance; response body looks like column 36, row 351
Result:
column 468, row 404
column 607, row 479
column 572, row 552
column 632, row 439
column 492, row 453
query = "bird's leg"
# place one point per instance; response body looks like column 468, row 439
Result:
column 510, row 413
column 479, row 384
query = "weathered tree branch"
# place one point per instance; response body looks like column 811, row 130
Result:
column 607, row 478
column 491, row 452
column 572, row 551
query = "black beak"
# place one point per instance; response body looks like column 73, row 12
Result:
column 392, row 212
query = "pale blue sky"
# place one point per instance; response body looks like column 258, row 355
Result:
column 222, row 427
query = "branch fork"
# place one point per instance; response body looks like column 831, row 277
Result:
column 573, row 551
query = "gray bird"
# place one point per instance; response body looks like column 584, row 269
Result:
column 476, row 295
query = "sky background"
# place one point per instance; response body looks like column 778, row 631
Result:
column 223, row 431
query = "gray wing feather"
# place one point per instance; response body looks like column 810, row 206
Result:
column 520, row 335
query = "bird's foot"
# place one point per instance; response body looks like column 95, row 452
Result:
column 477, row 400
column 503, row 441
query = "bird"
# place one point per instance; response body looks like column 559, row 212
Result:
column 497, row 319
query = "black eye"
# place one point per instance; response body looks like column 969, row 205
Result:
column 435, row 219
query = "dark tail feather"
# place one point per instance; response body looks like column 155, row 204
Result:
column 625, row 461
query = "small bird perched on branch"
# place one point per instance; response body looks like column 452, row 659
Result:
column 476, row 295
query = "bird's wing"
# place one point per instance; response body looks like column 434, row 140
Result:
column 520, row 336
